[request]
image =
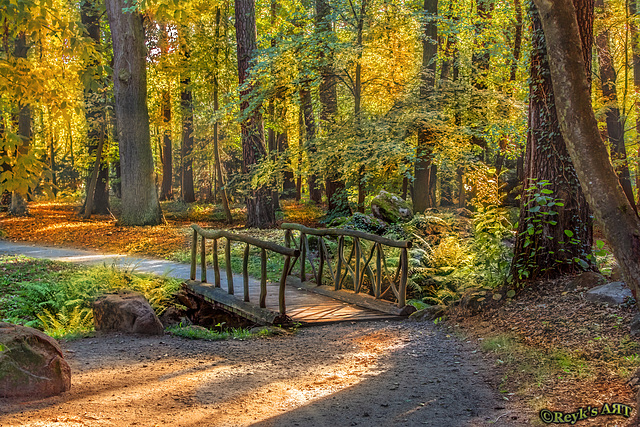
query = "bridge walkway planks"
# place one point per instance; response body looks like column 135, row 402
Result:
column 303, row 304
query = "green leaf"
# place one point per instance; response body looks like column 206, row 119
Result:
column 546, row 191
column 511, row 293
column 569, row 233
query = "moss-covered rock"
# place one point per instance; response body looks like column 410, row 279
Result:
column 31, row 364
column 366, row 223
column 391, row 208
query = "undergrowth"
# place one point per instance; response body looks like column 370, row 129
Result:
column 57, row 297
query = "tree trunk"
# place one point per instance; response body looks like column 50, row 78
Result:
column 18, row 198
column 621, row 225
column 139, row 196
column 186, row 104
column 260, row 211
column 186, row 148
column 425, row 169
column 166, row 189
column 216, row 146
column 615, row 129
column 548, row 245
column 96, row 120
column 357, row 98
column 635, row 48
column 315, row 188
column 334, row 186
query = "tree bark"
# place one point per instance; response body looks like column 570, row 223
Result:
column 615, row 129
column 216, row 146
column 315, row 189
column 166, row 188
column 621, row 225
column 561, row 242
column 186, row 148
column 96, row 121
column 260, row 211
column 18, row 198
column 186, row 104
column 140, row 204
column 635, row 48
column 334, row 185
column 425, row 170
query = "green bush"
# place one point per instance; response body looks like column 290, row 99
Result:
column 57, row 298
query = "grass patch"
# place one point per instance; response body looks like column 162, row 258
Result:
column 199, row 333
column 57, row 297
column 530, row 368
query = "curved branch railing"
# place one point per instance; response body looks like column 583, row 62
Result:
column 361, row 266
column 249, row 241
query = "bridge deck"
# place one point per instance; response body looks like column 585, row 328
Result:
column 303, row 304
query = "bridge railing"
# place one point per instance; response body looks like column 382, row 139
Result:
column 215, row 235
column 381, row 281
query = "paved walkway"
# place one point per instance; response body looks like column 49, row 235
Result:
column 302, row 306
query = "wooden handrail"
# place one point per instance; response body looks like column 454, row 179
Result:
column 362, row 266
column 337, row 232
column 216, row 234
column 250, row 241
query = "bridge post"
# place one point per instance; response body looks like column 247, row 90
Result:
column 194, row 249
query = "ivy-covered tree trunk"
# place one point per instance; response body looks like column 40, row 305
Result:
column 424, row 193
column 621, row 225
column 140, row 204
column 555, row 230
column 260, row 211
column 96, row 118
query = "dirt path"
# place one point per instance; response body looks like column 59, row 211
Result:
column 366, row 374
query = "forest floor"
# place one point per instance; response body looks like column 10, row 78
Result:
column 548, row 349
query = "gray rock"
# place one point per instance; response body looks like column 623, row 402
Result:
column 31, row 364
column 614, row 293
column 126, row 311
column 391, row 208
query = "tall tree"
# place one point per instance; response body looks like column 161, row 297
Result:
column 166, row 188
column 553, row 238
column 334, row 186
column 97, row 197
column 186, row 103
column 425, row 169
column 635, row 48
column 140, row 204
column 621, row 224
column 18, row 197
column 260, row 212
column 216, row 149
column 615, row 128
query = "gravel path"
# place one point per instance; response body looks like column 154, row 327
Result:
column 348, row 374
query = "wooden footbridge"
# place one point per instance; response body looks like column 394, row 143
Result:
column 318, row 284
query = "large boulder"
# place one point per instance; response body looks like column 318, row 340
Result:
column 391, row 208
column 31, row 364
column 126, row 311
